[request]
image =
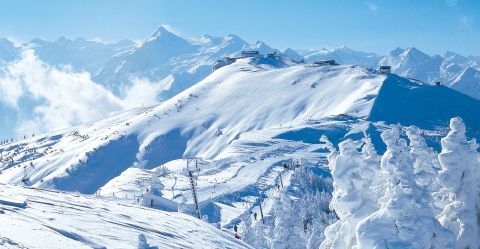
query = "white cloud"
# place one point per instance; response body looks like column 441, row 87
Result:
column 62, row 98
column 142, row 92
column 10, row 91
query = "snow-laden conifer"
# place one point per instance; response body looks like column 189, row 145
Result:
column 460, row 185
column 405, row 218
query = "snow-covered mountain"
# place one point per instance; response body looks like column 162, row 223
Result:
column 169, row 57
column 262, row 136
column 195, row 123
column 411, row 63
column 251, row 153
column 415, row 64
column 175, row 63
column 294, row 55
column 343, row 55
column 471, row 61
column 161, row 66
column 164, row 57
column 178, row 63
column 80, row 54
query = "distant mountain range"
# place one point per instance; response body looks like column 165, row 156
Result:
column 180, row 62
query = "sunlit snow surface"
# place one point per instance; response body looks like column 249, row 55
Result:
column 244, row 122
column 36, row 218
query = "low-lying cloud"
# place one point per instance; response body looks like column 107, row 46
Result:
column 47, row 98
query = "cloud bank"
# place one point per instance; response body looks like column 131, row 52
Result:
column 47, row 98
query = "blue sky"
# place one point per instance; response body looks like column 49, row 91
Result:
column 377, row 26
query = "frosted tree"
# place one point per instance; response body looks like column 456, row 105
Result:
column 248, row 233
column 425, row 161
column 333, row 151
column 183, row 206
column 460, row 186
column 352, row 199
column 288, row 226
column 405, row 218
column 260, row 233
column 371, row 171
column 153, row 191
column 369, row 152
column 321, row 217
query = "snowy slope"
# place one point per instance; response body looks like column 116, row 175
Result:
column 135, row 157
column 39, row 218
column 190, row 124
column 193, row 124
column 409, row 103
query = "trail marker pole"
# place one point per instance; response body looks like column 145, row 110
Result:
column 194, row 191
column 194, row 194
column 281, row 181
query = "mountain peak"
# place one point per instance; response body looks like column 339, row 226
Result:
column 397, row 51
column 232, row 37
column 414, row 54
column 162, row 31
column 449, row 53
column 414, row 51
column 292, row 54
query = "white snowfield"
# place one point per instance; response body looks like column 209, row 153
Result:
column 243, row 122
column 201, row 121
column 37, row 218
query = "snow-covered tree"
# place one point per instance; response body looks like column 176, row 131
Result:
column 459, row 179
column 260, row 234
column 333, row 151
column 183, row 206
column 320, row 216
column 405, row 218
column 371, row 171
column 248, row 234
column 288, row 229
column 153, row 190
column 425, row 161
column 352, row 199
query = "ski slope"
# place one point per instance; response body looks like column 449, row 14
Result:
column 40, row 218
